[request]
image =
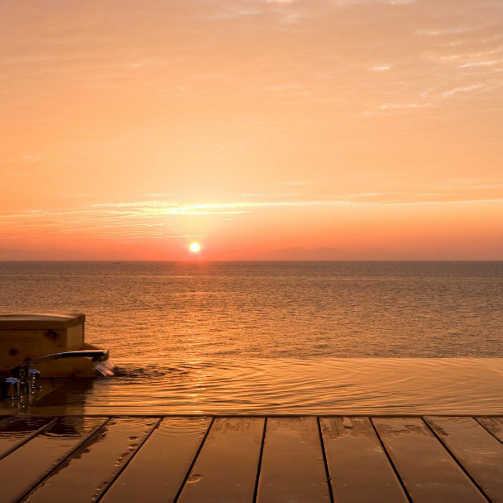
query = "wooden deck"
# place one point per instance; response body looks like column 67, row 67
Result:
column 246, row 459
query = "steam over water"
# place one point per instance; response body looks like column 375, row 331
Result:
column 279, row 337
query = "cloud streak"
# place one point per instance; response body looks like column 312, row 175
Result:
column 152, row 219
column 159, row 208
column 467, row 89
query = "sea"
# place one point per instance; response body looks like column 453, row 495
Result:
column 277, row 337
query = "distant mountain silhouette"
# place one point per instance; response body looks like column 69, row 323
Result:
column 303, row 254
column 324, row 254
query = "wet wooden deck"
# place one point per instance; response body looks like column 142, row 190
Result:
column 246, row 459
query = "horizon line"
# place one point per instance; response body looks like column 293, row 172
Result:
column 116, row 261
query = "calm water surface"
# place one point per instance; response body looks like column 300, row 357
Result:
column 280, row 337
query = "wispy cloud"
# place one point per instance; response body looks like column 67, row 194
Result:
column 286, row 11
column 160, row 195
column 390, row 108
column 404, row 106
column 154, row 217
column 161, row 208
column 353, row 3
column 136, row 204
column 236, row 13
column 297, row 183
column 476, row 64
column 289, row 89
column 439, row 32
column 380, row 68
column 466, row 89
column 263, row 195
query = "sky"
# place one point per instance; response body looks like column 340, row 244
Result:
column 262, row 129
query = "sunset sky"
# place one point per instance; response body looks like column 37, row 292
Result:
column 262, row 129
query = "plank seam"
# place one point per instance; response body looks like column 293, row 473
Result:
column 390, row 461
column 488, row 430
column 259, row 466
column 131, row 456
column 33, row 434
column 325, row 462
column 63, row 460
column 456, row 460
column 199, row 449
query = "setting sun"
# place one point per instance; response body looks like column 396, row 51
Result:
column 194, row 247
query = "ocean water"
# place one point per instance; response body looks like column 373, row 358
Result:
column 329, row 337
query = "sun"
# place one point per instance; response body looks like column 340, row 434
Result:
column 195, row 247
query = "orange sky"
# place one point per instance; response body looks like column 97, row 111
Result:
column 265, row 129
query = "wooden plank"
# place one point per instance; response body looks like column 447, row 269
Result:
column 27, row 465
column 494, row 425
column 293, row 468
column 157, row 472
column 479, row 452
column 429, row 473
column 92, row 467
column 358, row 466
column 227, row 466
column 16, row 430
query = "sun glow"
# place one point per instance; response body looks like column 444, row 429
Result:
column 194, row 247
